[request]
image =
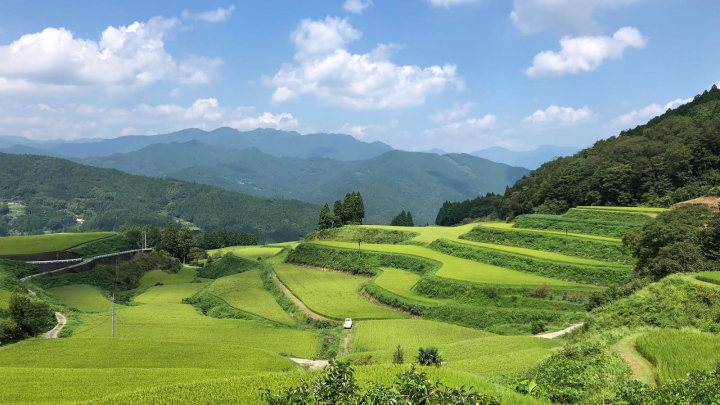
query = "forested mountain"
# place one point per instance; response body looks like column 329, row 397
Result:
column 57, row 192
column 270, row 141
column 396, row 180
column 531, row 159
column 674, row 157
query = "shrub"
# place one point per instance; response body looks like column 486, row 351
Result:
column 366, row 360
column 537, row 327
column 700, row 387
column 32, row 316
column 399, row 356
column 538, row 292
column 429, row 356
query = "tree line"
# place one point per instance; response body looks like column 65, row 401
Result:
column 182, row 244
column 350, row 211
column 674, row 157
column 403, row 219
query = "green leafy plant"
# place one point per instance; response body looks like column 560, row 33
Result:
column 429, row 356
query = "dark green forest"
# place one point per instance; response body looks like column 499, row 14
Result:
column 674, row 157
column 57, row 192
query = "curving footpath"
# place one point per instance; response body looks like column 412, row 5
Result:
column 553, row 335
column 297, row 301
column 54, row 332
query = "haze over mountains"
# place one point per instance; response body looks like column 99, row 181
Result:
column 531, row 159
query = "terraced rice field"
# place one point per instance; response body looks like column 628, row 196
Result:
column 151, row 278
column 4, row 298
column 248, row 252
column 709, row 277
column 56, row 242
column 647, row 210
column 677, row 352
column 506, row 226
column 83, row 297
column 410, row 334
column 464, row 270
column 331, row 294
column 169, row 294
column 401, row 282
column 245, row 292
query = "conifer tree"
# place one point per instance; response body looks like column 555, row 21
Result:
column 185, row 242
column 325, row 218
column 169, row 241
column 339, row 214
column 409, row 219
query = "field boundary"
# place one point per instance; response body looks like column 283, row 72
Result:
column 288, row 293
column 642, row 369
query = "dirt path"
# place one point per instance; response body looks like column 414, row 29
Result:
column 553, row 335
column 53, row 334
column 311, row 365
column 297, row 301
column 642, row 369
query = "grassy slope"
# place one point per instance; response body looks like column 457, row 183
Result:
column 248, row 252
column 465, row 270
column 4, row 298
column 503, row 225
column 245, row 292
column 712, row 277
column 401, row 282
column 647, row 210
column 169, row 294
column 333, row 295
column 677, row 352
column 408, row 333
column 83, row 297
column 56, row 242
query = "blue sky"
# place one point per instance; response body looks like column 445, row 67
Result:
column 459, row 75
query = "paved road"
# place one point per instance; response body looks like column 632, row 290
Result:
column 53, row 334
column 553, row 335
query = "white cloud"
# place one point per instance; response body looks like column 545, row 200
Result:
column 41, row 121
column 643, row 115
column 328, row 71
column 561, row 116
column 565, row 16
column 356, row 6
column 358, row 131
column 218, row 15
column 470, row 124
column 128, row 56
column 456, row 112
column 584, row 54
column 448, row 3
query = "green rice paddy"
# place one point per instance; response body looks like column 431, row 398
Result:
column 83, row 297
column 248, row 252
column 678, row 352
column 400, row 283
column 56, row 242
column 245, row 292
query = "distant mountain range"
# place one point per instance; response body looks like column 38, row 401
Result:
column 393, row 181
column 531, row 159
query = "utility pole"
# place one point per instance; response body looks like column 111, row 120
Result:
column 112, row 316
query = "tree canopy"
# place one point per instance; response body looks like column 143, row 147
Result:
column 350, row 211
column 403, row 219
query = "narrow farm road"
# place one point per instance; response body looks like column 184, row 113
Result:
column 642, row 369
column 311, row 365
column 553, row 335
column 297, row 301
column 53, row 334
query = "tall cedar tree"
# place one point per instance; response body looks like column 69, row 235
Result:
column 403, row 219
column 339, row 213
column 185, row 242
column 325, row 219
column 4, row 209
column 169, row 242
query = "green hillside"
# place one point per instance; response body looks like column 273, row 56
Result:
column 389, row 183
column 57, row 192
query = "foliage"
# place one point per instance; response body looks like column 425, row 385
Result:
column 700, row 387
column 429, row 356
column 572, row 225
column 398, row 356
column 403, row 219
column 537, row 327
column 678, row 241
column 4, row 208
column 105, row 277
column 608, row 216
column 222, row 238
column 562, row 271
column 571, row 246
column 28, row 245
column 339, row 386
column 485, row 207
column 363, row 234
column 401, row 283
column 350, row 211
column 225, row 266
column 32, row 316
column 81, row 297
column 109, row 199
column 117, row 243
column 674, row 157
column 673, row 302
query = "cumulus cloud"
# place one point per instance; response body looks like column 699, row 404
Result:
column 565, row 16
column 448, row 3
column 643, row 115
column 560, row 116
column 472, row 124
column 218, row 15
column 356, row 6
column 326, row 69
column 457, row 111
column 127, row 56
column 585, row 54
column 42, row 121
column 358, row 131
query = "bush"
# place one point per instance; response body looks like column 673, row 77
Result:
column 700, row 387
column 537, row 328
column 32, row 316
column 429, row 356
column 538, row 292
column 399, row 356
